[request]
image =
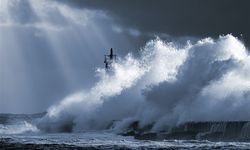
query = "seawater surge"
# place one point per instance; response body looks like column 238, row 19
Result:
column 165, row 86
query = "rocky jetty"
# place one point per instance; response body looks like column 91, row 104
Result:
column 212, row 131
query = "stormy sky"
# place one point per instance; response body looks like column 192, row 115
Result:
column 50, row 50
column 177, row 17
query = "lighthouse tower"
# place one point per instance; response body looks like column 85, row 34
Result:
column 109, row 59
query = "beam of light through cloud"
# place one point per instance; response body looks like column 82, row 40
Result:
column 54, row 46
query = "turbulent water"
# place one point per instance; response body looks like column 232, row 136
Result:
column 103, row 140
column 168, row 84
column 19, row 131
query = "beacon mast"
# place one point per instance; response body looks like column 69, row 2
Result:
column 109, row 59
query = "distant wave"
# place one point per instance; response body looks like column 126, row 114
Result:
column 18, row 128
column 19, row 123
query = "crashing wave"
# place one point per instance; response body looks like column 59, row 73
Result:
column 166, row 86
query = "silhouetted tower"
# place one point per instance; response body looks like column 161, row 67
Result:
column 109, row 59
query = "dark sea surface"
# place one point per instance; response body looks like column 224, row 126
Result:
column 105, row 140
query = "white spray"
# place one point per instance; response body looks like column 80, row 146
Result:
column 166, row 85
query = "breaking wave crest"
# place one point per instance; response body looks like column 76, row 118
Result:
column 166, row 85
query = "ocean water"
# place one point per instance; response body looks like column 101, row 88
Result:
column 106, row 140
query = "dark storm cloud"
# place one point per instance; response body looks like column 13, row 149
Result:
column 177, row 17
